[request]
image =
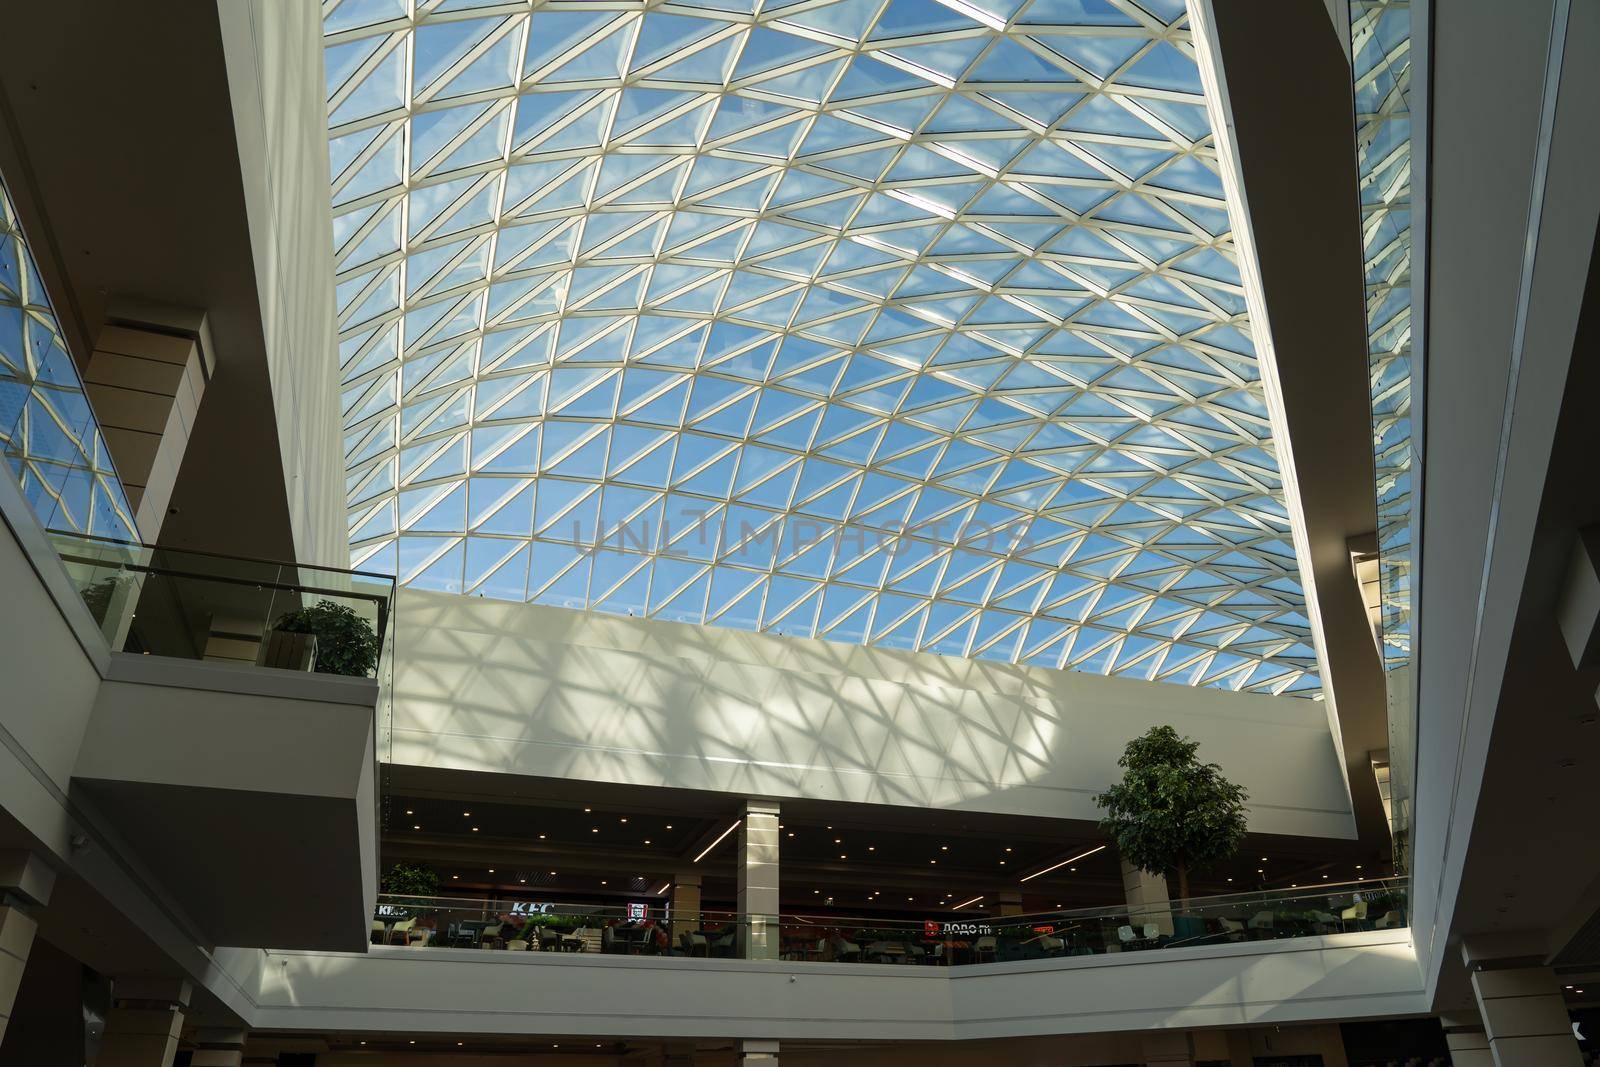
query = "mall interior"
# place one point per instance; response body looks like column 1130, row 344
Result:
column 671, row 532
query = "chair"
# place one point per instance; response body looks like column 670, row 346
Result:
column 1232, row 929
column 608, row 941
column 844, row 951
column 1391, row 920
column 398, row 933
column 1356, row 913
column 1261, row 923
column 549, row 939
column 694, row 944
column 725, row 947
column 516, row 944
column 380, row 933
column 984, row 949
column 1051, row 945
column 489, row 937
column 419, row 937
column 1151, row 931
column 1126, row 935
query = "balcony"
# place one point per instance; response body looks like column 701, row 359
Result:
column 949, row 939
column 233, row 739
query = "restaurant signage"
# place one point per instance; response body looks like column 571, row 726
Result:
column 935, row 928
column 636, row 911
column 392, row 911
column 525, row 907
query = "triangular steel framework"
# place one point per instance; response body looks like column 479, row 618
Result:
column 907, row 322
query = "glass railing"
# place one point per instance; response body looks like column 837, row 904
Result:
column 195, row 605
column 948, row 939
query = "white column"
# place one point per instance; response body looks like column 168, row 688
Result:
column 1524, row 1016
column 145, row 1021
column 758, row 880
column 758, row 1052
column 1468, row 1044
column 25, row 883
column 1167, row 1047
column 219, row 1048
column 1147, row 897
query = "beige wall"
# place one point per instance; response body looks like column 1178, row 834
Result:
column 486, row 685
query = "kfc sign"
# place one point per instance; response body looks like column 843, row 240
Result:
column 523, row 907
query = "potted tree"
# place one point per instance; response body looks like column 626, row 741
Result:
column 344, row 641
column 1171, row 814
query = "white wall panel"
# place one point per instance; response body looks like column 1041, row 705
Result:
column 486, row 685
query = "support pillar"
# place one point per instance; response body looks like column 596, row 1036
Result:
column 1468, row 1044
column 145, row 380
column 685, row 905
column 1147, row 898
column 758, row 880
column 219, row 1048
column 1167, row 1048
column 1008, row 902
column 145, row 1021
column 758, row 1052
column 1524, row 1016
column 25, row 884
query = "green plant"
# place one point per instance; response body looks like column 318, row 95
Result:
column 1172, row 814
column 411, row 880
column 346, row 643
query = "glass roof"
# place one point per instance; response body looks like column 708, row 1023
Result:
column 902, row 322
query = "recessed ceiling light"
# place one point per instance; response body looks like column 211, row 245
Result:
column 816, row 892
column 944, row 848
column 408, row 812
column 933, row 861
column 455, row 877
column 791, row 832
column 541, row 837
column 602, row 881
column 474, row 829
column 910, row 898
column 1008, row 848
column 647, row 840
column 1002, row 863
column 588, row 809
column 552, row 874
column 467, row 814
column 843, row 856
column 595, row 830
column 491, row 870
column 1358, row 866
column 1263, row 859
column 523, row 880
column 1072, row 870
column 416, row 827
column 830, row 828
column 669, row 826
column 623, row 819
column 838, row 840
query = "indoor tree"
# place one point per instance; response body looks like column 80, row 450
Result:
column 1172, row 814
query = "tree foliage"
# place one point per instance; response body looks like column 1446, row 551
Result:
column 1172, row 814
column 411, row 880
column 346, row 643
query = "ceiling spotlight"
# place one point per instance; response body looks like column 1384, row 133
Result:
column 791, row 832
column 474, row 829
column 944, row 848
column 523, row 880
column 588, row 809
column 416, row 827
column 843, row 856
column 838, row 840
column 647, row 840
column 466, row 814
column 623, row 819
column 454, row 877
column 541, row 837
column 552, row 874
column 1263, row 859
column 669, row 826
column 602, row 881
column 595, row 830
column 408, row 812
column 491, row 870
